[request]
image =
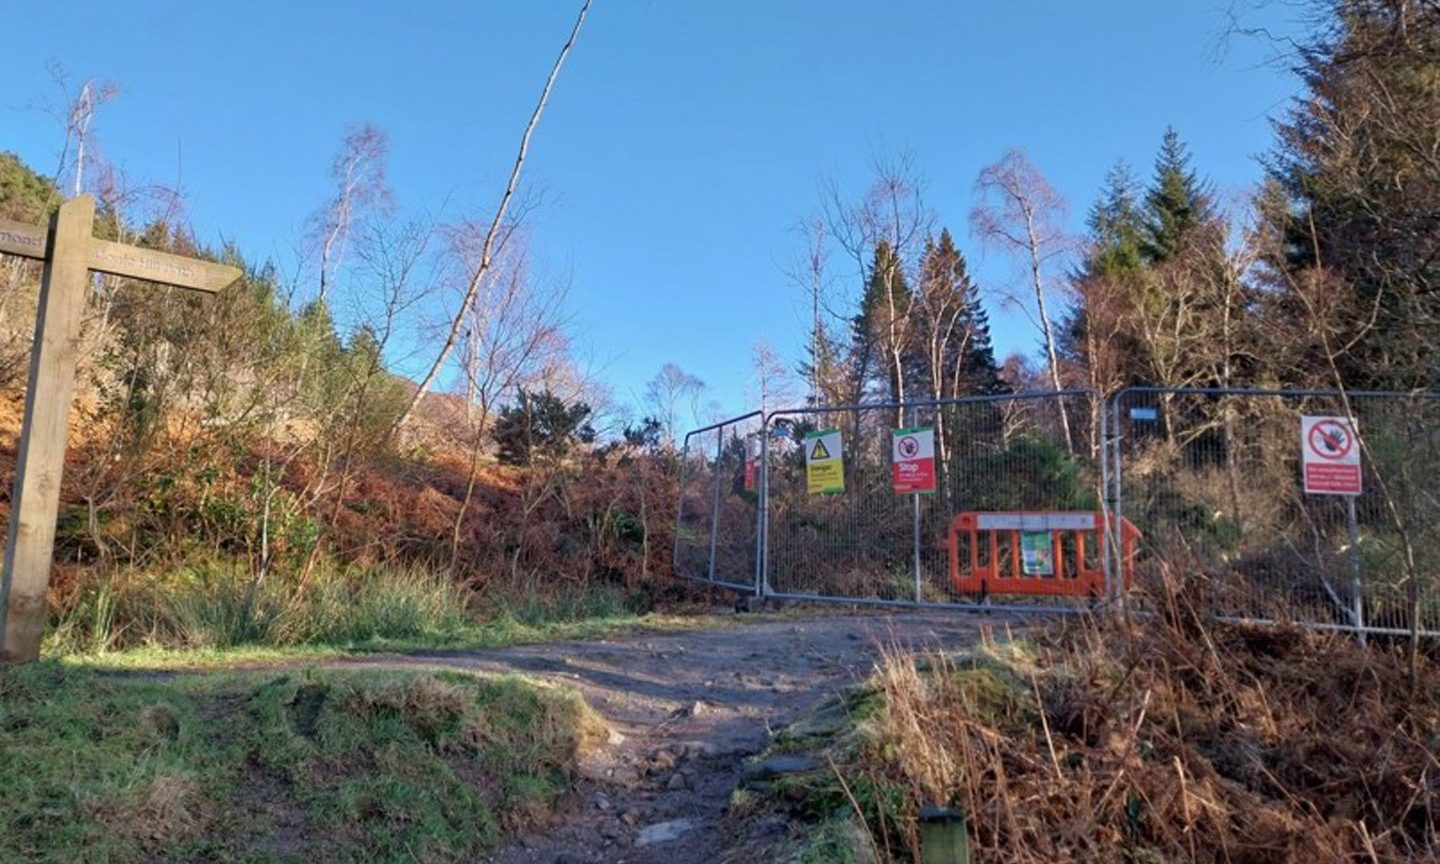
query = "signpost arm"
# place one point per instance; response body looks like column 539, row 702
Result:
column 41, row 459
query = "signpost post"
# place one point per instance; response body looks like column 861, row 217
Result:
column 912, row 472
column 69, row 253
column 1330, row 459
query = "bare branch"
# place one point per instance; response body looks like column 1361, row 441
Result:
column 487, row 252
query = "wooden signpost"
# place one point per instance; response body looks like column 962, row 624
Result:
column 69, row 253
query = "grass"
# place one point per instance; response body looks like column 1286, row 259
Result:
column 212, row 605
column 108, row 755
column 210, row 616
column 331, row 766
column 498, row 632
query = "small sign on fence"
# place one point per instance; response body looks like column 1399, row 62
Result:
column 824, row 462
column 1330, row 456
column 912, row 460
column 1037, row 553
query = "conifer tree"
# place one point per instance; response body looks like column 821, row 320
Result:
column 1106, row 281
column 880, row 331
column 1176, row 203
column 952, row 351
column 824, row 366
column 1351, row 213
column 1117, row 226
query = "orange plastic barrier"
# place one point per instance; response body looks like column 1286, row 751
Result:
column 990, row 561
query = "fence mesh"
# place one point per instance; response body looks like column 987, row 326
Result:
column 718, row 515
column 1214, row 480
column 1005, row 453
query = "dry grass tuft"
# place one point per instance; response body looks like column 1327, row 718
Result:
column 165, row 809
column 1167, row 740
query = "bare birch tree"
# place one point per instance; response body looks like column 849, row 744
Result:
column 770, row 379
column 892, row 213
column 492, row 235
column 77, row 115
column 667, row 392
column 1019, row 211
column 358, row 173
column 515, row 338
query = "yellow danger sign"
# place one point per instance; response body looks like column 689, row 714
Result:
column 824, row 462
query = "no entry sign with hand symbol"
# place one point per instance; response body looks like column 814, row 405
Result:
column 1330, row 456
column 913, row 460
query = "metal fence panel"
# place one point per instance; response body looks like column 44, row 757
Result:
column 716, row 528
column 1213, row 479
column 870, row 544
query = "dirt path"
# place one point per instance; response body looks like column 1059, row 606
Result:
column 686, row 709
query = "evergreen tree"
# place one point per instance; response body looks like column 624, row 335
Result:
column 824, row 369
column 952, row 353
column 1176, row 203
column 1117, row 226
column 880, row 329
column 1355, row 193
column 541, row 426
column 1107, row 278
column 25, row 196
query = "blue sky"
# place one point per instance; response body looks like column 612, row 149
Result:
column 684, row 139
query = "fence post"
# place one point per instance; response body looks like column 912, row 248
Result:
column 1117, row 471
column 762, row 508
column 943, row 836
column 680, row 508
column 715, row 505
column 1107, row 503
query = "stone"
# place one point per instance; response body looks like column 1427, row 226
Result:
column 661, row 760
column 676, row 782
column 829, row 719
column 663, row 832
column 699, row 750
column 779, row 766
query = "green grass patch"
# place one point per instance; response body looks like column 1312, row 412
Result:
column 479, row 636
column 213, row 615
column 329, row 766
column 838, row 839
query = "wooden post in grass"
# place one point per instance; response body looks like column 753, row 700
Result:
column 943, row 836
column 69, row 253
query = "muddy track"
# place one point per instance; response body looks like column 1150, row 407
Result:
column 686, row 709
